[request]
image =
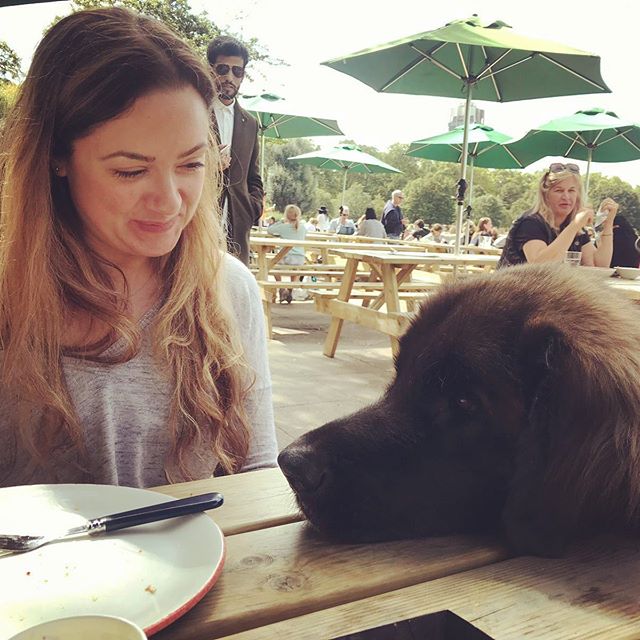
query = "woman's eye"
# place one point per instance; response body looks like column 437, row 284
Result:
column 129, row 174
column 194, row 166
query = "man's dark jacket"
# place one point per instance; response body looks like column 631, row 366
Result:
column 243, row 184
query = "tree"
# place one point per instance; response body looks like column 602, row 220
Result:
column 289, row 182
column 430, row 198
column 9, row 63
column 198, row 29
column 490, row 206
column 601, row 187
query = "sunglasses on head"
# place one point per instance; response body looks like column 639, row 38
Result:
column 558, row 167
column 223, row 69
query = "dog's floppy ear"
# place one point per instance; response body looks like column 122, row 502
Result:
column 534, row 518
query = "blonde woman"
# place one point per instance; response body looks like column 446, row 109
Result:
column 132, row 346
column 556, row 223
column 290, row 227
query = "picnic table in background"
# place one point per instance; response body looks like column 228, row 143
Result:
column 283, row 580
column 327, row 274
column 394, row 269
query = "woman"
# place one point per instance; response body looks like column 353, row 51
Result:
column 485, row 230
column 368, row 225
column 290, row 228
column 555, row 224
column 133, row 347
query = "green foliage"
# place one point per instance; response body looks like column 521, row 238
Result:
column 8, row 93
column 490, row 206
column 197, row 29
column 289, row 182
column 601, row 187
column 429, row 198
column 9, row 63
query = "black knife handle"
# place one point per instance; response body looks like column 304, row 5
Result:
column 157, row 512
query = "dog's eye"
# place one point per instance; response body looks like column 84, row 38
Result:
column 465, row 403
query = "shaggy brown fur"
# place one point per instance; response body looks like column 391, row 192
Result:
column 516, row 401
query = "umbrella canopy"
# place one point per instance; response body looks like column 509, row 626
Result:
column 463, row 59
column 592, row 135
column 346, row 158
column 280, row 118
column 483, row 148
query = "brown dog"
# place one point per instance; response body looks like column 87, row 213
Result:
column 516, row 402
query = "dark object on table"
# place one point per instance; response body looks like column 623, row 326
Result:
column 534, row 427
column 442, row 625
column 625, row 244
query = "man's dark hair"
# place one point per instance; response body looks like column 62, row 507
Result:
column 370, row 213
column 226, row 46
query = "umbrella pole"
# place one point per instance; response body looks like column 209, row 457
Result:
column 586, row 180
column 344, row 185
column 463, row 171
column 470, row 198
column 262, row 155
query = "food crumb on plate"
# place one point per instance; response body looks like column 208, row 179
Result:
column 150, row 588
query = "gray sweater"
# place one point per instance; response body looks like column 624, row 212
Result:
column 124, row 408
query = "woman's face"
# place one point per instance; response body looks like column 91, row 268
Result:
column 562, row 196
column 136, row 180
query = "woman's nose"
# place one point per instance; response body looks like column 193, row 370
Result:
column 165, row 196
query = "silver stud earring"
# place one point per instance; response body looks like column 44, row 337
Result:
column 56, row 170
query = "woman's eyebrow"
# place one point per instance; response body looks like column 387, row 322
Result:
column 131, row 155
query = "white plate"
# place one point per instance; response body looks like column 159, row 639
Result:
column 151, row 574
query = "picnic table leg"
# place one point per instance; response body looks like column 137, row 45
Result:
column 391, row 298
column 335, row 328
column 263, row 271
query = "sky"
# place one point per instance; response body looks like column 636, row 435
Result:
column 303, row 34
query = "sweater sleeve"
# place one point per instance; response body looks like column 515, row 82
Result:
column 245, row 300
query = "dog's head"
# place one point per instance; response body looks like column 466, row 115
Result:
column 491, row 391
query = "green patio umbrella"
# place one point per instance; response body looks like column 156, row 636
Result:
column 592, row 135
column 466, row 60
column 346, row 158
column 484, row 149
column 281, row 118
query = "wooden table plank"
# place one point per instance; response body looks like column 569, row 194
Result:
column 593, row 593
column 251, row 500
column 283, row 572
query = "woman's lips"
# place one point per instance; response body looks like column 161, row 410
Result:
column 154, row 227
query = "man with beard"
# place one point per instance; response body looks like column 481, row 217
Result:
column 237, row 130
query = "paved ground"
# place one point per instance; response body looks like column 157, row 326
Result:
column 310, row 389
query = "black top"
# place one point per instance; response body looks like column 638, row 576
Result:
column 625, row 251
column 392, row 219
column 532, row 226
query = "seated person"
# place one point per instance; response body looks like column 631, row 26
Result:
column 555, row 223
column 435, row 235
column 133, row 346
column 419, row 230
column 485, row 230
column 370, row 226
column 343, row 225
column 625, row 244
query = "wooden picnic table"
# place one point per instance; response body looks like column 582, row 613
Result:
column 393, row 268
column 282, row 580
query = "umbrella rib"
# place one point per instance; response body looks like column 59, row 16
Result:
column 326, row 125
column 571, row 71
column 486, row 70
column 465, row 70
column 514, row 158
column 425, row 57
column 631, row 142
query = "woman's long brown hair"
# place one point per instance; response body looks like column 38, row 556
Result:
column 89, row 68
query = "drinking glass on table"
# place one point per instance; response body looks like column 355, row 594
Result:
column 573, row 258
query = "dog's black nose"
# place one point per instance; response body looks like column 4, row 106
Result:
column 305, row 472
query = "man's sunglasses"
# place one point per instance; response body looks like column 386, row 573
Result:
column 223, row 69
column 558, row 167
